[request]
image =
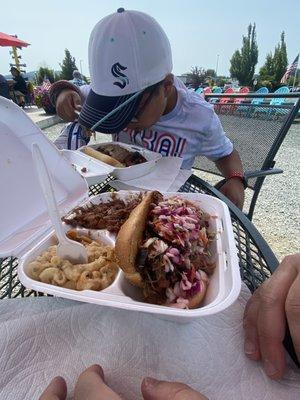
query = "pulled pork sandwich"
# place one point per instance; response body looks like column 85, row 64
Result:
column 163, row 247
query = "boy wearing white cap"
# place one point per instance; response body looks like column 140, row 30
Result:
column 134, row 96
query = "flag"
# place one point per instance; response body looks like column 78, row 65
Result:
column 46, row 84
column 290, row 69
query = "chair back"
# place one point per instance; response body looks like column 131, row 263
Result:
column 207, row 90
column 226, row 99
column 282, row 90
column 281, row 100
column 215, row 89
column 244, row 89
column 262, row 90
column 260, row 100
column 199, row 90
column 239, row 100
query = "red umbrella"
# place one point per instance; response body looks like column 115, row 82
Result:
column 8, row 40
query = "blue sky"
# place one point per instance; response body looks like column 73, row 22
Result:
column 198, row 30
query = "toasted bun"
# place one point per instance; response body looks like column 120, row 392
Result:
column 102, row 157
column 196, row 300
column 130, row 237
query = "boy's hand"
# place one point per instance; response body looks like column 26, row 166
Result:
column 234, row 190
column 68, row 105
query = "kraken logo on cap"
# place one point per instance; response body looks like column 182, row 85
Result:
column 116, row 70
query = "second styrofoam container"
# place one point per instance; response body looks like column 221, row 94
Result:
column 223, row 290
column 134, row 171
column 95, row 173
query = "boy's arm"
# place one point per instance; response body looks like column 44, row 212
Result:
column 231, row 168
column 218, row 148
column 68, row 98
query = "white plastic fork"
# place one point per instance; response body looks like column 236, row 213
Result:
column 67, row 249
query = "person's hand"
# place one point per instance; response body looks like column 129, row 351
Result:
column 274, row 302
column 89, row 386
column 67, row 103
column 234, row 190
column 161, row 390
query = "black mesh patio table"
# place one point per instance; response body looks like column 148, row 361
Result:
column 256, row 260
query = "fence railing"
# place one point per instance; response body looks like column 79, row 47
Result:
column 255, row 105
column 257, row 126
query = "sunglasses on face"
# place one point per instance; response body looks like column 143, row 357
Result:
column 143, row 105
column 150, row 90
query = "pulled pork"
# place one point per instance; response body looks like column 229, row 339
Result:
column 174, row 257
column 124, row 156
column 110, row 215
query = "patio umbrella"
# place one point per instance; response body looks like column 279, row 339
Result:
column 8, row 40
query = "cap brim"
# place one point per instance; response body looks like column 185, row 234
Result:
column 96, row 107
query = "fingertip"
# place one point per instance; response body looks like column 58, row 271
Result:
column 57, row 389
column 59, row 380
column 149, row 383
column 272, row 370
column 251, row 350
column 253, row 356
column 153, row 389
column 276, row 376
column 149, row 388
column 91, row 385
column 97, row 369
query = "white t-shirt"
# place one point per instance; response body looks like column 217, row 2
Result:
column 191, row 129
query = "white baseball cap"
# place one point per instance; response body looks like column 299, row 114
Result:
column 128, row 52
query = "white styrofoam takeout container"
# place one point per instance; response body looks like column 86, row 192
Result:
column 95, row 173
column 25, row 229
column 223, row 289
column 134, row 171
column 24, row 218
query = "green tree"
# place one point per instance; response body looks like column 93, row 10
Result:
column 196, row 77
column 294, row 78
column 211, row 73
column 57, row 75
column 280, row 60
column 275, row 65
column 221, row 80
column 243, row 61
column 45, row 72
column 68, row 66
column 236, row 65
column 266, row 73
column 268, row 68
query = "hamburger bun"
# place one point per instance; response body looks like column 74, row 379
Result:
column 196, row 300
column 102, row 157
column 130, row 237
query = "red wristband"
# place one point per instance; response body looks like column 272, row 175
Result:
column 237, row 174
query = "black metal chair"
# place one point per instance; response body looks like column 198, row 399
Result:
column 257, row 131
